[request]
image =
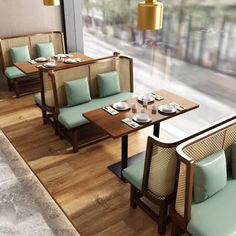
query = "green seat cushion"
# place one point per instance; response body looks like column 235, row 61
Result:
column 233, row 160
column 108, row 83
column 72, row 117
column 210, row 176
column 134, row 174
column 45, row 49
column 217, row 215
column 20, row 54
column 37, row 99
column 13, row 72
column 77, row 92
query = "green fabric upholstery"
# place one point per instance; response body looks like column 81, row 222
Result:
column 210, row 176
column 134, row 174
column 13, row 72
column 72, row 117
column 45, row 49
column 77, row 92
column 108, row 84
column 19, row 54
column 217, row 215
column 37, row 99
column 233, row 160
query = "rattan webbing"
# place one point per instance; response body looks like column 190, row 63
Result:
column 90, row 71
column 199, row 150
column 31, row 41
column 48, row 92
column 162, row 171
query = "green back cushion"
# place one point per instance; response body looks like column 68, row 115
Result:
column 210, row 176
column 20, row 54
column 45, row 49
column 108, row 84
column 77, row 91
column 233, row 160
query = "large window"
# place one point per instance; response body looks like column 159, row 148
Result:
column 194, row 55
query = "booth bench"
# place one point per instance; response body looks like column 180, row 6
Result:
column 205, row 202
column 68, row 114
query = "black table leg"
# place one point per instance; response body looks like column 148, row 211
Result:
column 124, row 152
column 156, row 130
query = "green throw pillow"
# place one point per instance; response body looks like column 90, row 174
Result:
column 108, row 84
column 19, row 54
column 45, row 49
column 77, row 91
column 210, row 176
column 233, row 160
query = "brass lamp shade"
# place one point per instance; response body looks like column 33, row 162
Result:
column 150, row 15
column 51, row 2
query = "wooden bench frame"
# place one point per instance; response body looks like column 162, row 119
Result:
column 50, row 114
column 163, row 201
column 180, row 222
column 13, row 84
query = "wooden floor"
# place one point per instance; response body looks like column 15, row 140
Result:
column 94, row 199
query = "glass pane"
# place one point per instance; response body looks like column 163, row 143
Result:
column 193, row 55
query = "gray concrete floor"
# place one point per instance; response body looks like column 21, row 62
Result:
column 215, row 92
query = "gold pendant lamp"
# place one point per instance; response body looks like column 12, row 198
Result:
column 150, row 15
column 51, row 2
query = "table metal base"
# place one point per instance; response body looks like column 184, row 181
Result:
column 116, row 168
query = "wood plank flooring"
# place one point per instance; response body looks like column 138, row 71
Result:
column 94, row 199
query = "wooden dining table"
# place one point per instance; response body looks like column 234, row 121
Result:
column 32, row 69
column 115, row 128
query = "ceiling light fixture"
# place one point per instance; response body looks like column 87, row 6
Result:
column 51, row 2
column 150, row 15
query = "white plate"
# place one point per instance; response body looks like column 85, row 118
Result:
column 70, row 61
column 61, row 55
column 141, row 118
column 50, row 64
column 167, row 109
column 149, row 98
column 41, row 59
column 121, row 106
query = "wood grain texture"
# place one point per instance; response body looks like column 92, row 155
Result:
column 95, row 200
column 30, row 69
column 115, row 128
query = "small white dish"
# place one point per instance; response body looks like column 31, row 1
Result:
column 61, row 55
column 167, row 109
column 41, row 59
column 121, row 106
column 141, row 118
column 70, row 60
column 147, row 97
column 50, row 64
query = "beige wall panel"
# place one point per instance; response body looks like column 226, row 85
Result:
column 28, row 16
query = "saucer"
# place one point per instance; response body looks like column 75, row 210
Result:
column 167, row 109
column 141, row 118
column 41, row 59
column 121, row 106
column 148, row 97
column 50, row 64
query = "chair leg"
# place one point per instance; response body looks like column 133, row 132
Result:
column 133, row 194
column 9, row 83
column 56, row 126
column 175, row 229
column 16, row 88
column 75, row 141
column 44, row 115
column 162, row 222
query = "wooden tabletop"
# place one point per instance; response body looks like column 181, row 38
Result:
column 30, row 69
column 116, row 128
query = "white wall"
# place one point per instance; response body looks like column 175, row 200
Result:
column 19, row 17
